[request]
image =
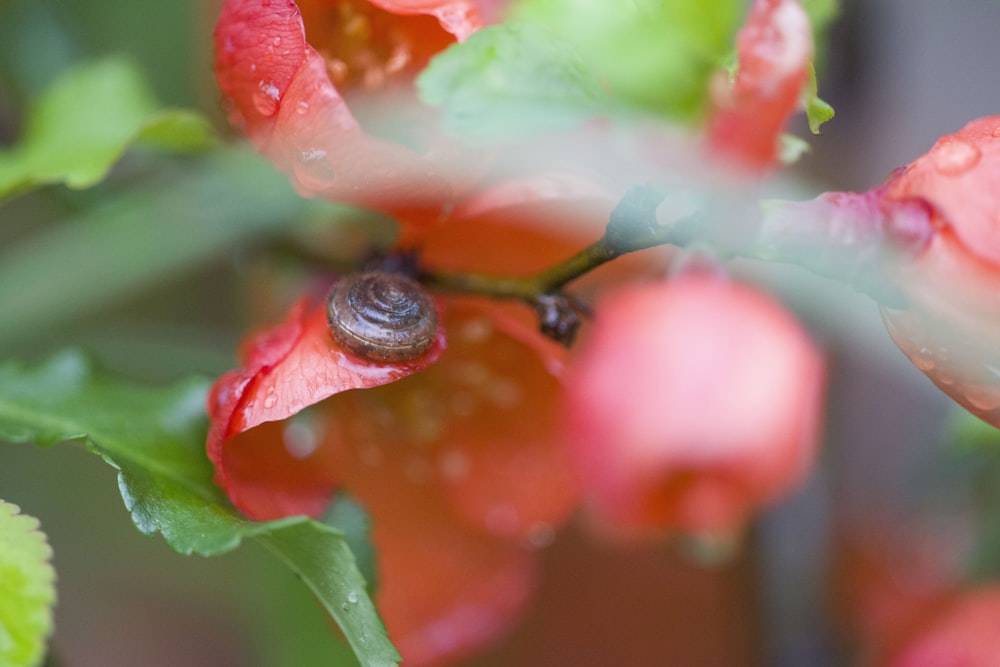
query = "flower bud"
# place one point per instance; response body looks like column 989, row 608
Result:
column 693, row 403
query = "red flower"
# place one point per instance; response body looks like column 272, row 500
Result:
column 291, row 96
column 774, row 50
column 458, row 464
column 926, row 243
column 694, row 402
column 951, row 325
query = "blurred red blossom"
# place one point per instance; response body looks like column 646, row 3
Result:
column 774, row 53
column 960, row 633
column 694, row 402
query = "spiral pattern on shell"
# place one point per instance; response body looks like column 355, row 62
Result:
column 383, row 317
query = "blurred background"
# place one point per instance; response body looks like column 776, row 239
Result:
column 899, row 74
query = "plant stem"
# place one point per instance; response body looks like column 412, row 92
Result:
column 632, row 226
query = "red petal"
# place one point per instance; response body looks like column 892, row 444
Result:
column 692, row 403
column 479, row 423
column 960, row 178
column 450, row 463
column 444, row 590
column 459, row 17
column 774, row 49
column 286, row 369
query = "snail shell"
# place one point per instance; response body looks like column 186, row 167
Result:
column 383, row 317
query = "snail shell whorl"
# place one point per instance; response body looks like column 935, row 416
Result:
column 382, row 316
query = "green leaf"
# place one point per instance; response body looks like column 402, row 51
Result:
column 144, row 237
column 155, row 438
column 817, row 111
column 509, row 79
column 315, row 553
column 84, row 122
column 349, row 517
column 971, row 432
column 27, row 588
column 653, row 55
column 821, row 14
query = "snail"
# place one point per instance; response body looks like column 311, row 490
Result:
column 383, row 317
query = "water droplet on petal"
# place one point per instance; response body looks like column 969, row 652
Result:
column 313, row 169
column 983, row 398
column 540, row 535
column 302, row 107
column 502, row 519
column 504, row 393
column 923, row 359
column 300, row 439
column 955, row 157
column 476, row 330
column 417, row 470
column 265, row 99
column 463, row 403
column 455, row 464
column 270, row 399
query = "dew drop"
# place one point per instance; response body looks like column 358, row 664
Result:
column 923, row 360
column 371, row 455
column 417, row 470
column 540, row 535
column 463, row 404
column 996, row 132
column 504, row 393
column 270, row 399
column 312, row 168
column 302, row 107
column 300, row 439
column 455, row 465
column 983, row 398
column 956, row 157
column 476, row 330
column 265, row 99
column 352, row 597
column 502, row 519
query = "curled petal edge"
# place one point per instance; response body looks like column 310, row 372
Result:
column 289, row 367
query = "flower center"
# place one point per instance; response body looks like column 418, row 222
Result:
column 368, row 47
